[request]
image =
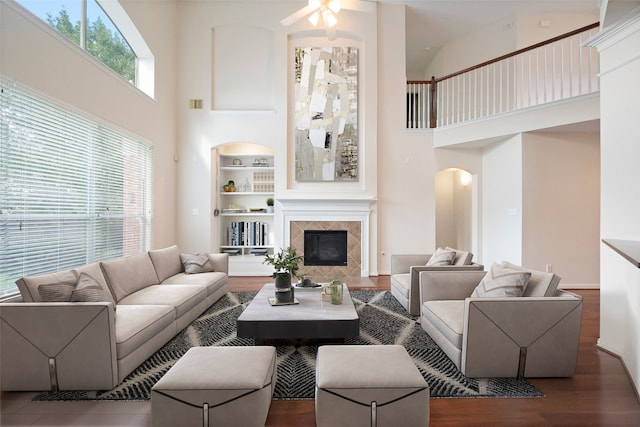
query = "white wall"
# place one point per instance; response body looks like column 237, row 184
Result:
column 502, row 202
column 561, row 205
column 619, row 47
column 406, row 164
column 34, row 55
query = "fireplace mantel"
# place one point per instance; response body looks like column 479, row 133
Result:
column 329, row 210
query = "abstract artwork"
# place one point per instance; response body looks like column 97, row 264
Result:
column 326, row 114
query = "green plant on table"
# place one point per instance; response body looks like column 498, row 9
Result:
column 284, row 261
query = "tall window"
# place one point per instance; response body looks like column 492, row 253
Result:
column 86, row 24
column 73, row 191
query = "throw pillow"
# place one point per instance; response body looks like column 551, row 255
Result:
column 196, row 263
column 462, row 257
column 502, row 282
column 88, row 289
column 60, row 291
column 441, row 257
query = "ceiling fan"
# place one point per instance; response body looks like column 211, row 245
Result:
column 327, row 11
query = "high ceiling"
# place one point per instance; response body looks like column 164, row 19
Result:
column 432, row 23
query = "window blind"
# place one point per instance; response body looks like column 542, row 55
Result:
column 74, row 190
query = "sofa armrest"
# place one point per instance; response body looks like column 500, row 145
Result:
column 448, row 285
column 402, row 263
column 220, row 262
column 65, row 346
column 525, row 337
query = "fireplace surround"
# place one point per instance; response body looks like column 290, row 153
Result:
column 329, row 214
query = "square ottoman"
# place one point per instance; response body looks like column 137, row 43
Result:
column 368, row 385
column 216, row 386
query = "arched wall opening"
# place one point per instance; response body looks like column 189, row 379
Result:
column 455, row 209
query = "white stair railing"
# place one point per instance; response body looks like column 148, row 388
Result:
column 550, row 71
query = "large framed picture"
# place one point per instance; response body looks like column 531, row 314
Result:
column 326, row 114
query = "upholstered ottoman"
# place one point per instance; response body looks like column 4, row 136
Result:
column 368, row 385
column 219, row 386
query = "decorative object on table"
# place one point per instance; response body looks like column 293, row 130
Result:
column 335, row 290
column 270, row 202
column 306, row 282
column 230, row 187
column 286, row 263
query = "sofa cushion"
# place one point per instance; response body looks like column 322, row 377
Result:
column 441, row 257
column 129, row 274
column 502, row 281
column 212, row 281
column 462, row 257
column 448, row 317
column 28, row 286
column 402, row 282
column 166, row 262
column 540, row 284
column 196, row 263
column 182, row 297
column 137, row 324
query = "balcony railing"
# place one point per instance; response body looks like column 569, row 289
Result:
column 549, row 71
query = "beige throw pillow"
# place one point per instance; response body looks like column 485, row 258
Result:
column 196, row 263
column 84, row 289
column 89, row 290
column 441, row 257
column 60, row 291
column 502, row 282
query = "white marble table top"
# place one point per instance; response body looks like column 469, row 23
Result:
column 310, row 318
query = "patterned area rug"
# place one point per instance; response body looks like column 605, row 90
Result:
column 382, row 321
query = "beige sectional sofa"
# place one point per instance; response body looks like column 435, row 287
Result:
column 97, row 335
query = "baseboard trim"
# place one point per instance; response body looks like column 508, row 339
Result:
column 580, row 286
column 624, row 366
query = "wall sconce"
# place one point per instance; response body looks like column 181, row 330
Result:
column 465, row 178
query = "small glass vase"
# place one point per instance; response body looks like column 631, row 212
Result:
column 335, row 290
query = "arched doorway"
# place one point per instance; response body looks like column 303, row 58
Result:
column 455, row 209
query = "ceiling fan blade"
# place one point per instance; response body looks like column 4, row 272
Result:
column 297, row 15
column 359, row 5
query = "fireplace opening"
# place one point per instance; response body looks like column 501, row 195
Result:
column 325, row 247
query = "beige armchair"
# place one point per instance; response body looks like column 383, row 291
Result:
column 405, row 270
column 535, row 335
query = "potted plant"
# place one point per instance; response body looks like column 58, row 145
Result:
column 270, row 204
column 286, row 264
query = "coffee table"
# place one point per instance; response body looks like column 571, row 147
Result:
column 311, row 318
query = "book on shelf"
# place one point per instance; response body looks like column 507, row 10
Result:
column 247, row 233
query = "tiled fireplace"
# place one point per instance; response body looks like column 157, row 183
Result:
column 354, row 248
column 349, row 215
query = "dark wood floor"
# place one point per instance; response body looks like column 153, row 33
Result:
column 600, row 394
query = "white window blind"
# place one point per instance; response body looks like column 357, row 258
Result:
column 74, row 190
